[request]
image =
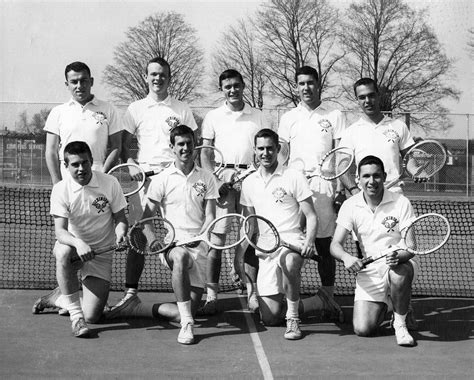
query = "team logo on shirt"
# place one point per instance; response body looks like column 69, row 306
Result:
column 391, row 135
column 279, row 193
column 100, row 117
column 325, row 124
column 100, row 204
column 200, row 188
column 389, row 222
column 173, row 122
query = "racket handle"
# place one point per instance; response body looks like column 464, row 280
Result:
column 101, row 250
column 367, row 261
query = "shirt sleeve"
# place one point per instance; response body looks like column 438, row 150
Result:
column 245, row 199
column 407, row 214
column 115, row 122
column 58, row 204
column 207, row 127
column 155, row 191
column 118, row 199
column 340, row 125
column 52, row 122
column 302, row 190
column 188, row 118
column 284, row 129
column 344, row 216
column 406, row 140
column 346, row 138
column 129, row 123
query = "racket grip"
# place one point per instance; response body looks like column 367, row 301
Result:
column 367, row 261
column 101, row 250
column 150, row 173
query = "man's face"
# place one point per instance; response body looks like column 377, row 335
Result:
column 266, row 152
column 371, row 180
column 233, row 90
column 80, row 167
column 79, row 85
column 183, row 148
column 308, row 89
column 158, row 79
column 368, row 99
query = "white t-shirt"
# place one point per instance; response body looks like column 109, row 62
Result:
column 92, row 123
column 233, row 132
column 278, row 198
column 152, row 122
column 182, row 197
column 90, row 208
column 310, row 134
column 384, row 140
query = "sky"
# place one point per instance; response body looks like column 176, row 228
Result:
column 39, row 38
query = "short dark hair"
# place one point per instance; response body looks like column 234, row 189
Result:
column 161, row 61
column 76, row 148
column 266, row 132
column 77, row 67
column 371, row 160
column 365, row 82
column 306, row 70
column 230, row 73
column 181, row 130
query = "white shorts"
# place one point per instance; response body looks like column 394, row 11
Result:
column 269, row 278
column 373, row 283
column 323, row 201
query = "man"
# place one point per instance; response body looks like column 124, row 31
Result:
column 83, row 118
column 278, row 194
column 150, row 120
column 377, row 217
column 230, row 128
column 89, row 213
column 312, row 129
column 186, row 196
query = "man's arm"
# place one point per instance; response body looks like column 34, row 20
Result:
column 115, row 144
column 351, row 263
column 63, row 236
column 52, row 158
column 206, row 161
column 307, row 208
column 121, row 226
column 209, row 213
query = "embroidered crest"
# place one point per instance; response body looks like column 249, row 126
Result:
column 100, row 204
column 100, row 117
column 391, row 135
column 172, row 122
column 279, row 193
column 325, row 124
column 200, row 188
column 389, row 222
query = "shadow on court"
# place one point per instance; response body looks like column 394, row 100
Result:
column 231, row 344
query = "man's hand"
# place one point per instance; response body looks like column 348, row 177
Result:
column 353, row 264
column 84, row 251
column 339, row 200
column 392, row 259
column 224, row 189
column 308, row 250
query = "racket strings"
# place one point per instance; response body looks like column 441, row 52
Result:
column 129, row 178
column 226, row 232
column 151, row 236
column 261, row 234
column 425, row 160
column 427, row 234
column 336, row 163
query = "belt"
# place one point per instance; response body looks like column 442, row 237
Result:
column 232, row 166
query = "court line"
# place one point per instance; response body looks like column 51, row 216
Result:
column 257, row 343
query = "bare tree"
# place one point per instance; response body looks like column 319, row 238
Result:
column 391, row 43
column 165, row 35
column 470, row 42
column 294, row 33
column 237, row 49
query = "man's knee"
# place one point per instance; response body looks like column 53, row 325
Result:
column 364, row 330
column 401, row 275
column 180, row 258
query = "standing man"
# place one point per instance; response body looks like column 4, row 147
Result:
column 312, row 129
column 150, row 120
column 231, row 129
column 89, row 213
column 186, row 196
column 279, row 193
column 377, row 217
column 83, row 118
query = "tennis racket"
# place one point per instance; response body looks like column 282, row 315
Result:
column 217, row 158
column 115, row 247
column 131, row 177
column 422, row 161
column 156, row 235
column 334, row 164
column 262, row 235
column 426, row 234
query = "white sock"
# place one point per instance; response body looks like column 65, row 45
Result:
column 185, row 313
column 399, row 319
column 292, row 311
column 212, row 290
column 61, row 302
column 132, row 291
column 73, row 306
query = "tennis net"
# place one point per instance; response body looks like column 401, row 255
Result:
column 27, row 238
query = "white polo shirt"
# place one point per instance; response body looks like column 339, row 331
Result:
column 152, row 122
column 89, row 208
column 277, row 198
column 384, row 140
column 377, row 230
column 182, row 197
column 233, row 132
column 92, row 123
column 310, row 133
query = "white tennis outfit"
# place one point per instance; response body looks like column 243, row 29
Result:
column 182, row 201
column 89, row 210
column 384, row 140
column 92, row 123
column 376, row 231
column 276, row 199
column 311, row 134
